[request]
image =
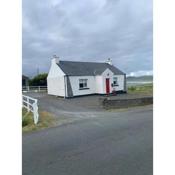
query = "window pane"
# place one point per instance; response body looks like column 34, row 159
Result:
column 82, row 83
column 115, row 80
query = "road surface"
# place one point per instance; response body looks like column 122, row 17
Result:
column 113, row 143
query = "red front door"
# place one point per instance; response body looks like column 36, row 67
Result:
column 107, row 86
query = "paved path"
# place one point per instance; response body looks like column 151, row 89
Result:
column 113, row 143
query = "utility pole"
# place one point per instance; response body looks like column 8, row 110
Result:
column 37, row 70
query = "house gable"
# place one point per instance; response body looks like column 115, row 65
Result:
column 55, row 71
column 55, row 80
column 107, row 73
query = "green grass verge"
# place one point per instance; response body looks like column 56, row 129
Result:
column 46, row 120
column 141, row 89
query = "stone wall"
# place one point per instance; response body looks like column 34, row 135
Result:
column 108, row 103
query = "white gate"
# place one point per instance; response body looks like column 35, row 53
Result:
column 31, row 105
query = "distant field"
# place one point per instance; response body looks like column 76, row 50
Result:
column 141, row 78
column 146, row 89
column 135, row 81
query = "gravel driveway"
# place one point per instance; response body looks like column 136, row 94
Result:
column 72, row 108
column 79, row 107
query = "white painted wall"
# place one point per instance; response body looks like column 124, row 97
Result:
column 55, row 86
column 96, row 84
column 74, row 80
column 55, row 70
column 99, row 84
column 109, row 74
column 55, row 80
column 120, row 83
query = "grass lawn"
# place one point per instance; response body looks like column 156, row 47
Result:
column 45, row 120
column 141, row 89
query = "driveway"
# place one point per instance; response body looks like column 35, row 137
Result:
column 109, row 143
column 81, row 104
column 73, row 107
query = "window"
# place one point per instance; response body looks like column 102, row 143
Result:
column 115, row 81
column 83, row 83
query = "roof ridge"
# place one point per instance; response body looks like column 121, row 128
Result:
column 82, row 61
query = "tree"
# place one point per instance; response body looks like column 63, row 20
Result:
column 39, row 80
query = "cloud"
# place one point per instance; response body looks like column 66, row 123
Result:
column 89, row 30
column 140, row 73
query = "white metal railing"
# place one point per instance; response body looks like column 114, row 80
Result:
column 34, row 88
column 31, row 104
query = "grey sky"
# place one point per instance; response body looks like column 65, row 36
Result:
column 87, row 30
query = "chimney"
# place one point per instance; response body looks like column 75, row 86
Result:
column 55, row 59
column 109, row 61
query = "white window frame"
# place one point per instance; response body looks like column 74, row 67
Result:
column 115, row 81
column 84, row 83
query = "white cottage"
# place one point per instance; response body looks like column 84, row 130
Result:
column 69, row 79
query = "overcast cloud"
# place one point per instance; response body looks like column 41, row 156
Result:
column 87, row 30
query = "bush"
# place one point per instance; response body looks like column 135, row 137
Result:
column 25, row 123
column 27, row 120
column 39, row 80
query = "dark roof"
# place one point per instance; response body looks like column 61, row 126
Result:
column 86, row 68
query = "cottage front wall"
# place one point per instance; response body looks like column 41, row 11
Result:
column 96, row 84
column 91, row 86
column 99, row 84
column 121, row 81
column 109, row 74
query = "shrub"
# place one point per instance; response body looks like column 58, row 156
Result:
column 24, row 123
column 39, row 80
column 27, row 120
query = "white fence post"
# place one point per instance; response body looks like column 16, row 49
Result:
column 31, row 104
column 28, row 105
column 39, row 88
column 35, row 109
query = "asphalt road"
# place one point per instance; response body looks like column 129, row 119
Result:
column 113, row 143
